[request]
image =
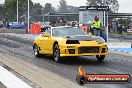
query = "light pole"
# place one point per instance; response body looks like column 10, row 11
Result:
column 106, row 22
column 104, row 12
column 28, row 17
column 17, row 11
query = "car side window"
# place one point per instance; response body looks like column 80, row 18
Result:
column 48, row 31
column 55, row 32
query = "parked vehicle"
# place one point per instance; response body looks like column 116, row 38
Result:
column 14, row 25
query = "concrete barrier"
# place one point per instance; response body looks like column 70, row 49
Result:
column 21, row 31
column 129, row 33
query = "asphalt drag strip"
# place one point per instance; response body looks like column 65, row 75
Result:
column 115, row 63
column 39, row 76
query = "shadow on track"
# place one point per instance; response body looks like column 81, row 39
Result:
column 76, row 60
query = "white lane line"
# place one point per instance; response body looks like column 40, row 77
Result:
column 10, row 80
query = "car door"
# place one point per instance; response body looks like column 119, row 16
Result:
column 46, row 43
column 49, row 42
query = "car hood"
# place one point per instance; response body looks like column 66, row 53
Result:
column 80, row 38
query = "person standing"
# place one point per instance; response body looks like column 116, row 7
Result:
column 97, row 26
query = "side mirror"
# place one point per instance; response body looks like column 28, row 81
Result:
column 45, row 35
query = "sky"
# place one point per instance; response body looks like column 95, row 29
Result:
column 125, row 5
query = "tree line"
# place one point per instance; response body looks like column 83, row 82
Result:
column 8, row 10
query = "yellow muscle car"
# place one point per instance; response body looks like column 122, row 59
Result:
column 69, row 41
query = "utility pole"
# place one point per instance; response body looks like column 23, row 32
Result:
column 17, row 11
column 106, row 23
column 28, row 17
column 107, row 28
column 104, row 12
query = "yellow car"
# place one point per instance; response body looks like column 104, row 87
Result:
column 69, row 41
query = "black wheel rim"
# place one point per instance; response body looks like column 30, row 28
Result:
column 56, row 53
column 36, row 50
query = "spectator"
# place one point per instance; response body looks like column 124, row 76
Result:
column 97, row 26
column 7, row 25
column 73, row 23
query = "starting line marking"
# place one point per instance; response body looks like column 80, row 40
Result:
column 10, row 80
column 128, row 50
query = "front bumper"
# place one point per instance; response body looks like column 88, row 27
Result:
column 84, row 51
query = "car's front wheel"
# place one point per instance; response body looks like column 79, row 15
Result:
column 36, row 51
column 56, row 53
column 100, row 58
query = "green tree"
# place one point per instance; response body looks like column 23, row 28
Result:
column 10, row 9
column 23, row 7
column 63, row 6
column 113, row 4
column 37, row 9
column 72, row 9
column 1, row 12
column 48, row 8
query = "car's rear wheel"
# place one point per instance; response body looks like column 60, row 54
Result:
column 36, row 51
column 56, row 53
column 100, row 58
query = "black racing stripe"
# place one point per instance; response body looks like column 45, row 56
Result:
column 81, row 38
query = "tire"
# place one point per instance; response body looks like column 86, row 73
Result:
column 100, row 58
column 36, row 51
column 81, row 80
column 56, row 53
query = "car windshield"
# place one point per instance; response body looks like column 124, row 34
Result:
column 65, row 32
column 45, row 23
